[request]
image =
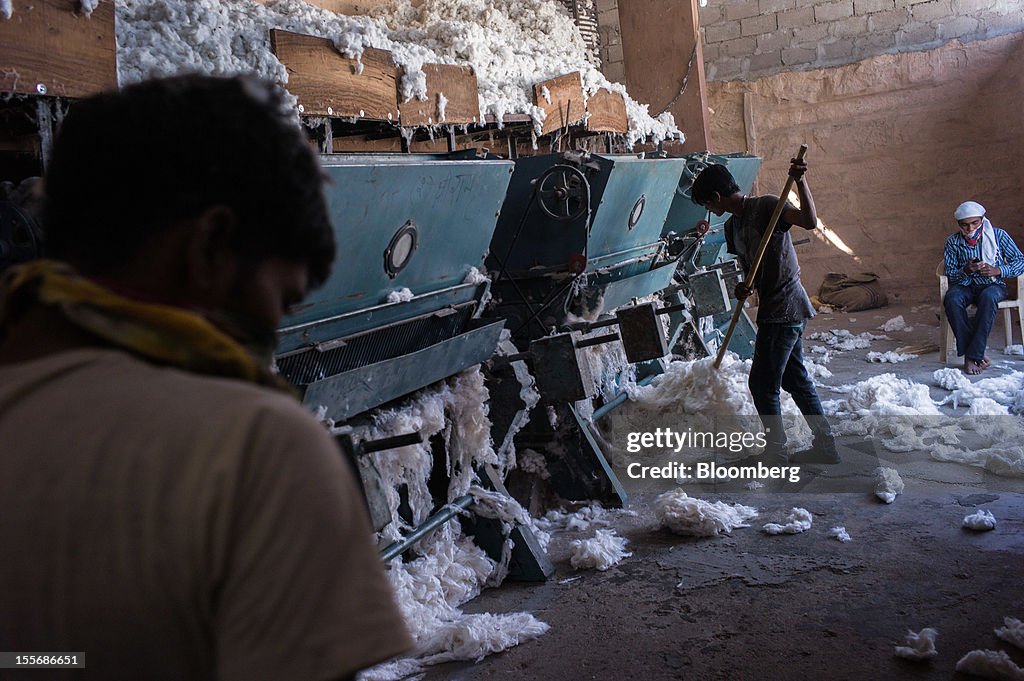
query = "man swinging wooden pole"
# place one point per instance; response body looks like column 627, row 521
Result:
column 756, row 265
column 758, row 234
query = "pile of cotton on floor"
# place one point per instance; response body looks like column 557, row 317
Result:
column 700, row 518
column 450, row 569
column 842, row 339
column 920, row 646
column 799, row 520
column 903, row 416
column 601, row 551
column 511, row 44
column 695, row 395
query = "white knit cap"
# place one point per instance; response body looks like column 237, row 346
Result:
column 969, row 209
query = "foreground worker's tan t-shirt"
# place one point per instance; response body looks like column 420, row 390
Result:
column 174, row 526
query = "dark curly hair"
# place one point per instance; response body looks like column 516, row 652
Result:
column 714, row 178
column 128, row 165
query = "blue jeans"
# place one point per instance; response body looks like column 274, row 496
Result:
column 779, row 363
column 972, row 335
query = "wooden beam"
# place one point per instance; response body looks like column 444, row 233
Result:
column 661, row 47
column 607, row 111
column 458, row 86
column 566, row 105
column 50, row 47
column 327, row 83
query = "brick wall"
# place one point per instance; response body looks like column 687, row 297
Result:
column 746, row 39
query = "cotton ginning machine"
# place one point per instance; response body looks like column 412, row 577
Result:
column 401, row 308
column 579, row 235
column 700, row 296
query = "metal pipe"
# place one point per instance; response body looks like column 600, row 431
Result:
column 604, row 409
column 448, row 512
column 597, row 340
column 394, row 442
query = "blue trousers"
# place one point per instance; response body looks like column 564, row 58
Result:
column 972, row 334
column 779, row 363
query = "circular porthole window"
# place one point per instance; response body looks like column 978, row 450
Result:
column 401, row 249
column 637, row 212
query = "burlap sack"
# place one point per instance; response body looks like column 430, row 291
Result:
column 851, row 293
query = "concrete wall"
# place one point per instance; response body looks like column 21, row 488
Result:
column 751, row 38
column 612, row 64
column 896, row 142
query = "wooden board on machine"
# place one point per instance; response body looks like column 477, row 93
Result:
column 459, row 87
column 563, row 103
column 327, row 83
column 51, row 44
column 607, row 111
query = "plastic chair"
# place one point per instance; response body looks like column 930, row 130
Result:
column 947, row 342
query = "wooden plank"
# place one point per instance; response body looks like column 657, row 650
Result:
column 566, row 105
column 459, row 87
column 363, row 143
column 607, row 111
column 50, row 47
column 327, row 83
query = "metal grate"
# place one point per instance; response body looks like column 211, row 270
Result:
column 374, row 346
column 584, row 14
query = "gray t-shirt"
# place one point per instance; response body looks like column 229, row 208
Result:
column 781, row 297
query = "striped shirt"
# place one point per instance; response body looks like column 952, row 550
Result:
column 957, row 254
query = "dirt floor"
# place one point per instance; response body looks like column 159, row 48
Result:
column 804, row 606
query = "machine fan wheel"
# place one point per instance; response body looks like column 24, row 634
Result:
column 563, row 193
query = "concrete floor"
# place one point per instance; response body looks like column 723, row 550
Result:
column 751, row 606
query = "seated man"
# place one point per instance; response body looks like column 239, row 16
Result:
column 977, row 258
column 167, row 506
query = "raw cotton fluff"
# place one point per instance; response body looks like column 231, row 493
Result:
column 6, row 8
column 890, row 357
column 1013, row 350
column 604, row 550
column 1005, row 390
column 983, row 406
column 1005, row 460
column 799, row 520
column 1013, row 632
column 400, row 295
column 896, row 324
column 88, row 6
column 951, row 379
column 888, row 395
column 840, row 533
column 691, row 393
column 582, row 520
column 888, row 484
column 842, row 339
column 511, row 44
column 451, row 571
column 816, row 370
column 920, row 646
column 990, row 664
column 699, row 518
column 981, row 521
